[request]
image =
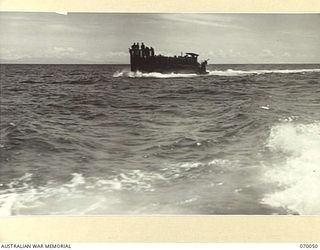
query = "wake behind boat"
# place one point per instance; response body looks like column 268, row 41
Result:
column 143, row 59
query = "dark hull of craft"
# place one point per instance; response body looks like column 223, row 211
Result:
column 164, row 64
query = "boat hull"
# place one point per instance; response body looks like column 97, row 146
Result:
column 163, row 64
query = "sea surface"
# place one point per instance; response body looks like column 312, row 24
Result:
column 99, row 140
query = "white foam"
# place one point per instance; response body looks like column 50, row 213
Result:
column 289, row 119
column 222, row 162
column 77, row 180
column 265, row 107
column 6, row 203
column 173, row 171
column 187, row 201
column 139, row 74
column 228, row 72
column 80, row 195
column 231, row 72
column 298, row 176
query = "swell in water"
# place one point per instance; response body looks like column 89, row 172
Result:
column 77, row 139
column 293, row 169
column 296, row 172
column 228, row 72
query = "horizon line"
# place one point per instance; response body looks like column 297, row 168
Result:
column 129, row 64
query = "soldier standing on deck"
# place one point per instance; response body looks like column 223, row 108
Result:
column 142, row 50
column 147, row 52
column 151, row 52
column 138, row 50
column 133, row 49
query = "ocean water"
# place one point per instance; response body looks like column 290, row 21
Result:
column 98, row 139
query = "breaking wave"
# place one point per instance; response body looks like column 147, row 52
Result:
column 139, row 74
column 231, row 72
column 228, row 72
column 126, row 192
column 298, row 175
column 80, row 195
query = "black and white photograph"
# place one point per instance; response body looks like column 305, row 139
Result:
column 159, row 113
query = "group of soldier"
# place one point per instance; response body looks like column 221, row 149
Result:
column 141, row 51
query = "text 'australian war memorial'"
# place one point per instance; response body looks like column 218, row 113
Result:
column 144, row 59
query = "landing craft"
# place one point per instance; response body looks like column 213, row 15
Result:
column 143, row 59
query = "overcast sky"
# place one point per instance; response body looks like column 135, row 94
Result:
column 105, row 38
